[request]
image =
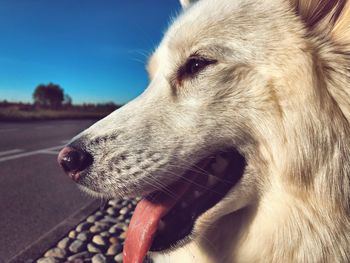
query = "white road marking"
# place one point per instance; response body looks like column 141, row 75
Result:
column 51, row 152
column 20, row 155
column 11, row 152
column 65, row 141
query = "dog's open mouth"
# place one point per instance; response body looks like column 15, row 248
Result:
column 164, row 218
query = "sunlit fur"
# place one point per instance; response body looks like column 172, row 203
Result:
column 280, row 94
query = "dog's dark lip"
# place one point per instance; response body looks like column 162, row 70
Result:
column 180, row 221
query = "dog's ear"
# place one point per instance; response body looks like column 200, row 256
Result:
column 325, row 16
column 186, row 3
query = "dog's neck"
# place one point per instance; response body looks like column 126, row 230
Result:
column 320, row 147
column 311, row 190
column 308, row 202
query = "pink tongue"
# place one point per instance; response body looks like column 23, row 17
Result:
column 145, row 220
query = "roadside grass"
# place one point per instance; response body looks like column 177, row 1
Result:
column 15, row 114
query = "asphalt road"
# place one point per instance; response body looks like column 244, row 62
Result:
column 35, row 195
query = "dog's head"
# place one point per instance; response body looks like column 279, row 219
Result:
column 232, row 88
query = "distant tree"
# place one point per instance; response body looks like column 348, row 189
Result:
column 4, row 103
column 67, row 100
column 50, row 95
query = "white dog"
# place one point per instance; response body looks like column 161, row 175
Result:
column 240, row 145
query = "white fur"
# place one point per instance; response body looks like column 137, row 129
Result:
column 279, row 93
column 186, row 3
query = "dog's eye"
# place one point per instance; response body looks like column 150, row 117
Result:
column 193, row 66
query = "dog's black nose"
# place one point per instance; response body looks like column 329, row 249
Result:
column 73, row 161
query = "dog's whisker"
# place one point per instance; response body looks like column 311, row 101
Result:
column 199, row 172
column 192, row 181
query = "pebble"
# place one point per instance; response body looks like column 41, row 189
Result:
column 119, row 258
column 121, row 218
column 109, row 219
column 72, row 234
column 91, row 219
column 56, row 253
column 98, row 227
column 122, row 226
column 105, row 234
column 64, row 243
column 95, row 229
column 76, row 246
column 113, row 202
column 83, row 226
column 99, row 240
column 99, row 258
column 98, row 213
column 114, row 230
column 123, row 235
column 114, row 250
column 84, row 236
column 93, row 249
column 77, row 260
column 81, row 255
column 47, row 260
column 123, row 211
column 111, row 211
column 114, row 240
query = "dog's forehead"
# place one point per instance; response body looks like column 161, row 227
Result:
column 198, row 25
column 209, row 23
column 244, row 27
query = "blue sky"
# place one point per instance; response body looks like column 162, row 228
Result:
column 95, row 50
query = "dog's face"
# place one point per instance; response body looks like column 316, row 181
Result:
column 214, row 88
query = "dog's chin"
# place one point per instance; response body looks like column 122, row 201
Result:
column 93, row 193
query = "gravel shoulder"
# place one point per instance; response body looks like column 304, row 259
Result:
column 98, row 238
column 35, row 250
